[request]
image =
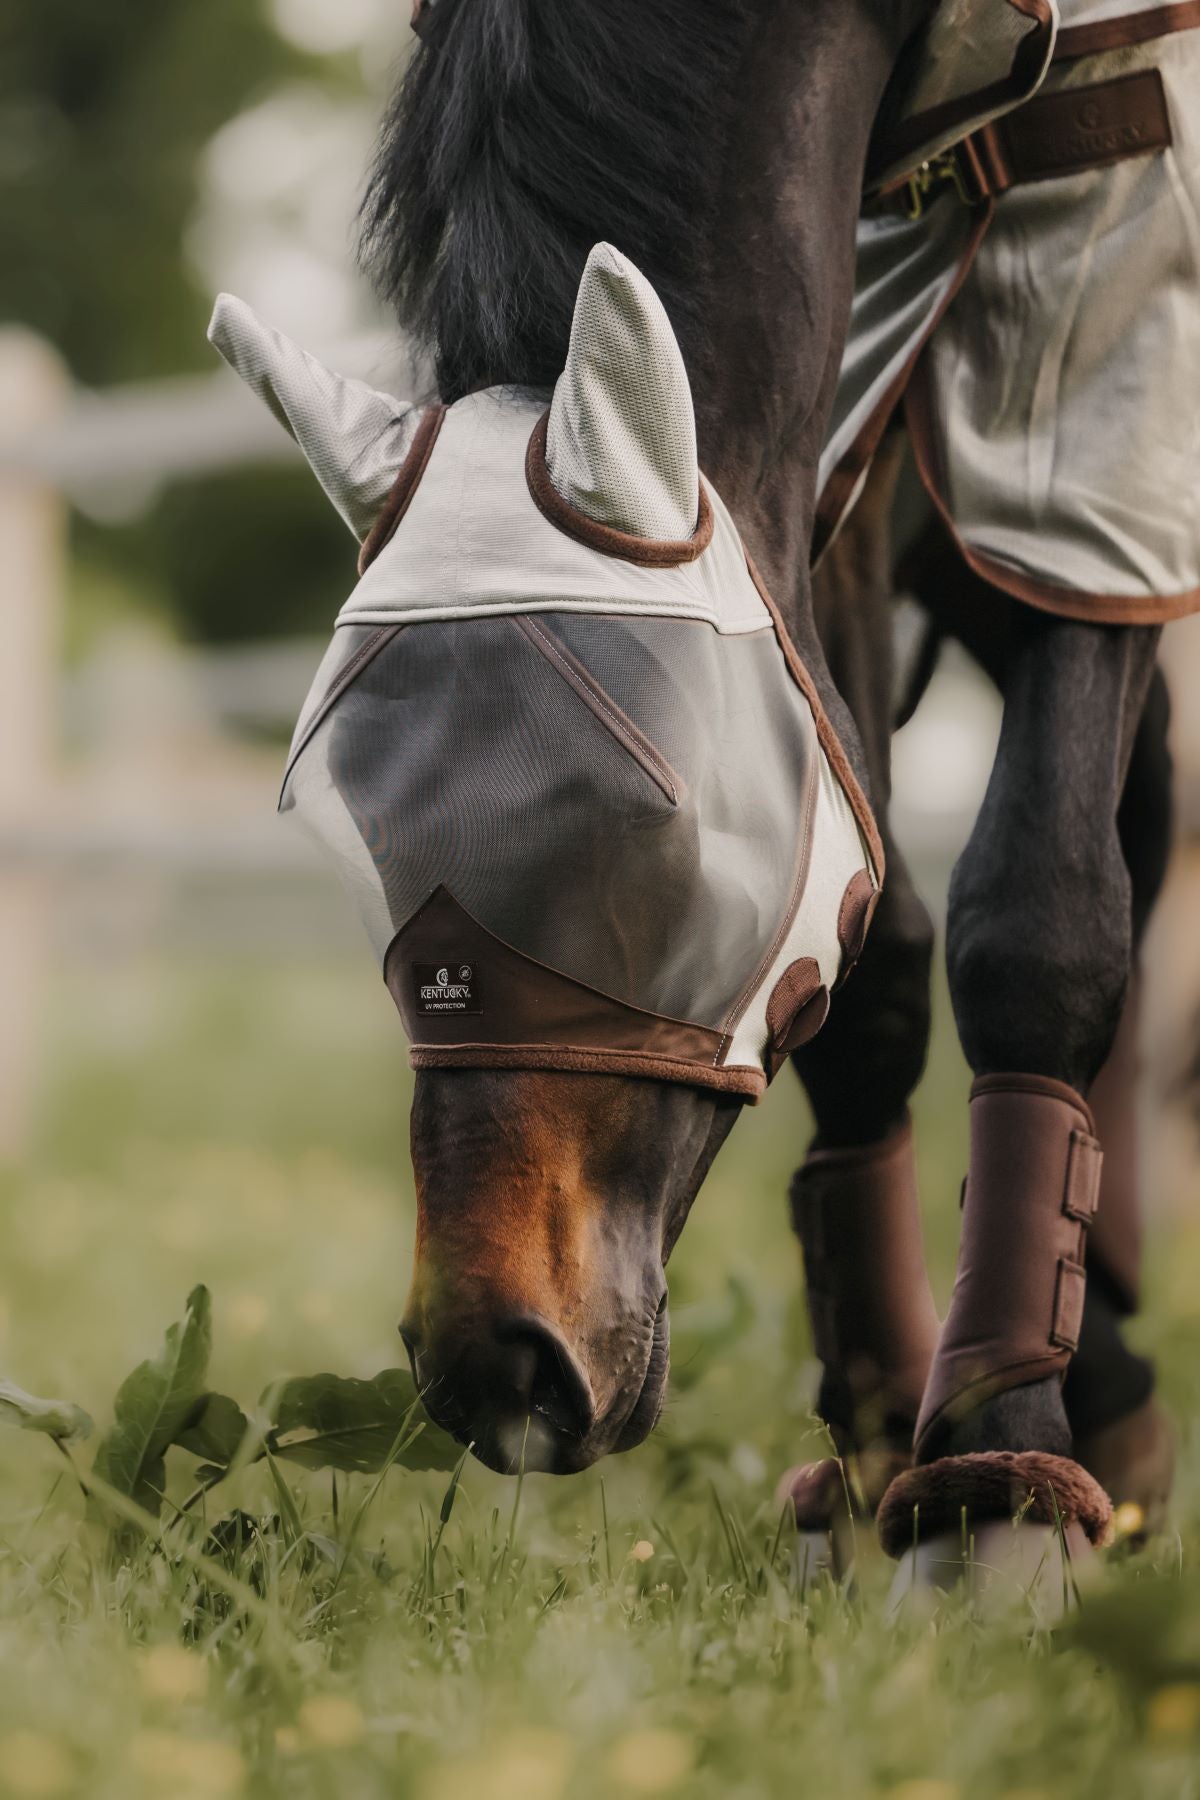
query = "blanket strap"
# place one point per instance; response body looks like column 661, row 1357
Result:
column 1051, row 135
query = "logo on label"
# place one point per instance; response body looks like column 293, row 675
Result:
column 446, row 989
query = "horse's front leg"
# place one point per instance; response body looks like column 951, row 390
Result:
column 1039, row 946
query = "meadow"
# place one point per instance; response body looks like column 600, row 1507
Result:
column 239, row 1119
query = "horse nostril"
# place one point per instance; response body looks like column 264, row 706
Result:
column 546, row 1376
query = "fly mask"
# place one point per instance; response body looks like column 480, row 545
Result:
column 561, row 749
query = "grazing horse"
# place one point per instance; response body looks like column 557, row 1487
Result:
column 722, row 146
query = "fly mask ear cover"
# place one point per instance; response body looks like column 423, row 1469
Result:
column 561, row 750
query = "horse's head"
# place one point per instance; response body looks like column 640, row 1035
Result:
column 603, row 838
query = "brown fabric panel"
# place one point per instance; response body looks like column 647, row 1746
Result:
column 408, row 480
column 652, row 553
column 1075, row 41
column 911, row 135
column 854, row 921
column 602, row 705
column 367, row 651
column 828, row 737
column 799, row 985
column 1018, row 1295
column 1047, row 596
column 518, row 1002
column 747, row 1084
column 994, row 1484
column 839, row 490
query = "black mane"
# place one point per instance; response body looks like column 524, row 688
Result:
column 525, row 131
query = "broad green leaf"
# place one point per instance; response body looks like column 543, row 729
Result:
column 333, row 1422
column 155, row 1404
column 216, row 1431
column 58, row 1419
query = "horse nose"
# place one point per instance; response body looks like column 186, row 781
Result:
column 519, row 1393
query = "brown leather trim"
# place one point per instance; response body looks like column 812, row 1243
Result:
column 993, row 1484
column 651, row 553
column 827, row 736
column 748, row 1084
column 367, row 651
column 617, row 723
column 854, row 920
column 408, row 480
column 799, row 983
column 937, row 122
column 1047, row 596
column 1075, row 41
column 1069, row 1293
column 523, row 1006
column 843, row 482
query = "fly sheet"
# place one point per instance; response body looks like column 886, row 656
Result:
column 560, row 749
column 1046, row 337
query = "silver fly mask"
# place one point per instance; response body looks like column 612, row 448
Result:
column 561, row 749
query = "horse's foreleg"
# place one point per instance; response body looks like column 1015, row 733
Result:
column 854, row 1199
column 1039, row 948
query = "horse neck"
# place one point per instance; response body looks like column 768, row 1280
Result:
column 782, row 265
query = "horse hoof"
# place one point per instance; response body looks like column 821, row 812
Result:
column 1133, row 1459
column 819, row 1498
column 1004, row 1567
column 1020, row 1525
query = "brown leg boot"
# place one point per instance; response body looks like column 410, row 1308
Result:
column 1014, row 1321
column 874, row 1327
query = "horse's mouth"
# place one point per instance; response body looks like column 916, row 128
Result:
column 647, row 1408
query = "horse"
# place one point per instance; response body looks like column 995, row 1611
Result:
column 723, row 146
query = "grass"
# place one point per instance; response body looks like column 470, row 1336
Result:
column 635, row 1631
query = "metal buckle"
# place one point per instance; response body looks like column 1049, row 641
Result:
column 940, row 169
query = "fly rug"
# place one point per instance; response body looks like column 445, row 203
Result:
column 1030, row 298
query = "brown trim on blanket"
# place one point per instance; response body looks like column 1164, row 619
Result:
column 912, row 136
column 651, row 553
column 1047, row 596
column 842, row 485
column 1075, row 41
column 830, row 742
column 748, row 1084
column 408, row 480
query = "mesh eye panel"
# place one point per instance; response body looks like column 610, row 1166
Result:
column 461, row 756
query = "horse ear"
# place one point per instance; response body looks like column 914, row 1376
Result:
column 353, row 437
column 621, row 438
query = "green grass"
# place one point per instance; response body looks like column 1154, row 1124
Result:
column 243, row 1124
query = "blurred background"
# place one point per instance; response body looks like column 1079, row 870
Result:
column 201, row 1076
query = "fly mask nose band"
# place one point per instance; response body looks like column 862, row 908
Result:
column 561, row 749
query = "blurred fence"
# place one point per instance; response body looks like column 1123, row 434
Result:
column 162, row 784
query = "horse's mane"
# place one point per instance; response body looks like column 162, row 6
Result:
column 524, row 131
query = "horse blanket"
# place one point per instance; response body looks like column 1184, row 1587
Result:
column 1039, row 321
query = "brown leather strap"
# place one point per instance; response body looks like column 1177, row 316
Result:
column 1055, row 134
column 1068, row 132
column 1018, row 1298
column 874, row 1325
